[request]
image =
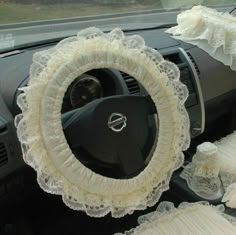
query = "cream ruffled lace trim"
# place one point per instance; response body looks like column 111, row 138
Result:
column 189, row 218
column 210, row 30
column 230, row 195
column 216, row 174
column 43, row 142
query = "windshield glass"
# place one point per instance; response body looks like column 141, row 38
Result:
column 27, row 23
column 17, row 11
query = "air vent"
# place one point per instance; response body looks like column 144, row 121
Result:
column 3, row 154
column 194, row 63
column 189, row 76
column 131, row 83
column 3, row 125
column 185, row 75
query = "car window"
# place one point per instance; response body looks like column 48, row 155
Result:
column 16, row 11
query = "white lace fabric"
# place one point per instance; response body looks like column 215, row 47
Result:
column 189, row 218
column 44, row 145
column 210, row 30
column 227, row 158
column 215, row 175
column 230, row 195
column 202, row 174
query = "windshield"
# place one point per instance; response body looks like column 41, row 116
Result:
column 27, row 23
column 17, row 11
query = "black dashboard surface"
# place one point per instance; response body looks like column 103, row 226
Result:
column 15, row 68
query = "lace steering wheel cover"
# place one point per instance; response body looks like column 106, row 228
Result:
column 44, row 145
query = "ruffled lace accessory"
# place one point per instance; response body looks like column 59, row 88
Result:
column 230, row 196
column 210, row 30
column 227, row 158
column 44, row 145
column 202, row 174
column 214, row 175
column 189, row 218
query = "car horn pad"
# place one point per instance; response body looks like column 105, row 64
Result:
column 49, row 139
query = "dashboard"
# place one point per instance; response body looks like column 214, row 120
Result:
column 211, row 85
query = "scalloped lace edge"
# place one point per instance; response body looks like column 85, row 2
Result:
column 167, row 220
column 210, row 30
column 224, row 176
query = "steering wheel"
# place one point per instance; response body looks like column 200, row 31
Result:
column 112, row 130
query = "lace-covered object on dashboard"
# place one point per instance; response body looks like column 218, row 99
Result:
column 215, row 173
column 188, row 218
column 210, row 30
column 43, row 142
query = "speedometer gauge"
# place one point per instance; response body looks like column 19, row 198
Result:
column 85, row 89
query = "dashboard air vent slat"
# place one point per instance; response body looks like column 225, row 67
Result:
column 184, row 70
column 131, row 83
column 189, row 75
column 3, row 155
column 3, row 125
column 194, row 63
column 185, row 75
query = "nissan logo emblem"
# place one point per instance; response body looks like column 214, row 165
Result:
column 117, row 122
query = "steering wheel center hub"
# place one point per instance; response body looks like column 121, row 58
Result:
column 108, row 137
column 117, row 122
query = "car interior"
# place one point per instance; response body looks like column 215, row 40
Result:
column 24, row 207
